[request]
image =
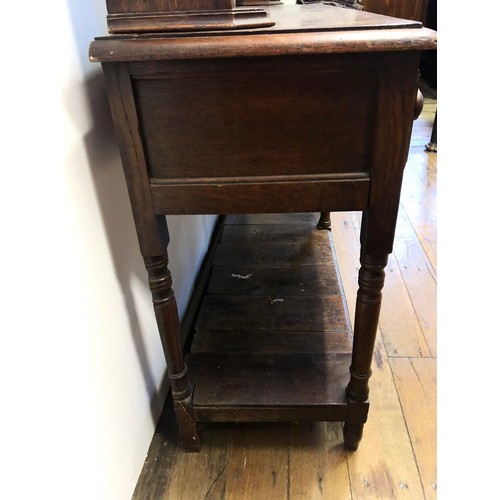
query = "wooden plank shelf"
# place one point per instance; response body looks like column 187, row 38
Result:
column 273, row 339
column 269, row 387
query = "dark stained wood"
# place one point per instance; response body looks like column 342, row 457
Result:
column 181, row 48
column 395, row 112
column 259, row 221
column 287, row 18
column 151, row 16
column 221, row 95
column 272, row 342
column 186, row 21
column 300, row 281
column 234, row 195
column 244, row 332
column 284, row 381
column 313, row 114
column 325, row 221
column 257, row 312
column 274, row 254
column 270, row 233
column 152, row 231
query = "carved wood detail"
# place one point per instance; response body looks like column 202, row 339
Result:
column 165, row 306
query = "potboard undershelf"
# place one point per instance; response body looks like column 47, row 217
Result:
column 273, row 339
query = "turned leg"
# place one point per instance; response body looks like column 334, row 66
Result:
column 325, row 221
column 371, row 281
column 432, row 145
column 165, row 306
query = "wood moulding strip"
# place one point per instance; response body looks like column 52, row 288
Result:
column 206, row 47
column 207, row 20
column 267, row 196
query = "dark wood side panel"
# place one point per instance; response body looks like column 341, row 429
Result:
column 129, row 6
column 280, row 117
column 232, row 198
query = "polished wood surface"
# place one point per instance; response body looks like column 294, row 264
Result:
column 282, row 460
column 302, row 118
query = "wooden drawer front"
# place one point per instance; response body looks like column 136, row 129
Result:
column 255, row 118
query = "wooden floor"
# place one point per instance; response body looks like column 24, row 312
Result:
column 397, row 456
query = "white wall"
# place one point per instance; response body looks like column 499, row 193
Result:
column 81, row 361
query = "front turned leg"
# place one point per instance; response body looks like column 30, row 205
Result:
column 325, row 221
column 369, row 298
column 165, row 306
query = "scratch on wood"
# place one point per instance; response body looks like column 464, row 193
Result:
column 320, row 483
column 216, row 479
column 275, row 476
column 378, row 359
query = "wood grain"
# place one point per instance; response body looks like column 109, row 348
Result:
column 275, row 313
column 294, row 254
column 271, row 342
column 272, row 281
column 401, row 329
column 318, row 466
column 271, row 233
column 420, row 278
column 258, row 464
column 262, row 379
column 392, row 472
column 416, row 381
column 251, row 111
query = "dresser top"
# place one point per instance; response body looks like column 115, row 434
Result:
column 307, row 29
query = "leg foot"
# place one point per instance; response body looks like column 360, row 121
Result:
column 324, row 221
column 352, row 436
column 371, row 281
column 357, row 415
column 432, row 146
column 188, row 428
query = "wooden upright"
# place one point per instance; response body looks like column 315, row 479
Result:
column 310, row 112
